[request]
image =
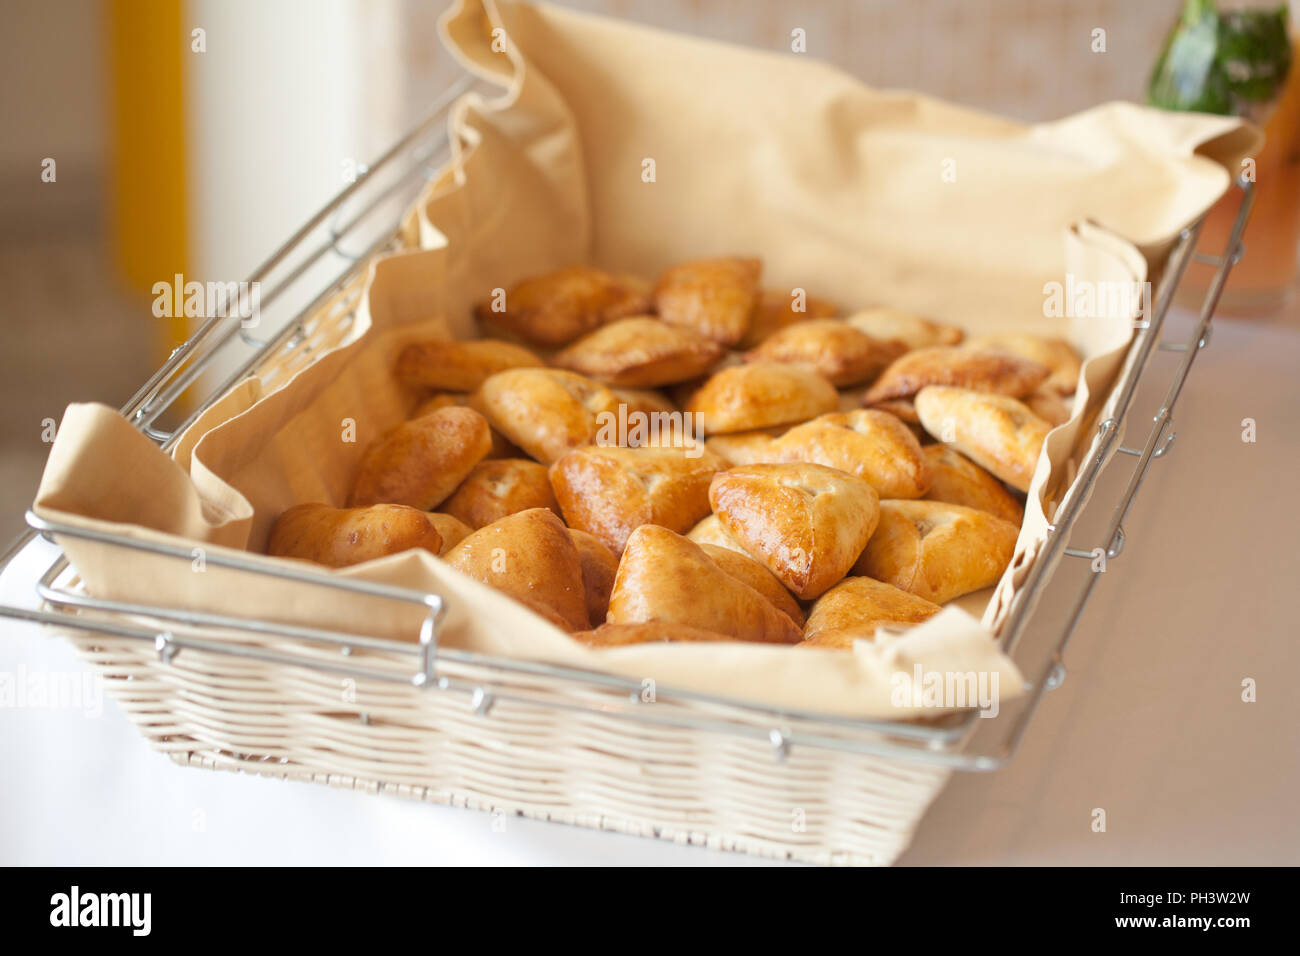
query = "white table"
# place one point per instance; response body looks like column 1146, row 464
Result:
column 1149, row 724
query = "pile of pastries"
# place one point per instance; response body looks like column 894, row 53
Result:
column 822, row 477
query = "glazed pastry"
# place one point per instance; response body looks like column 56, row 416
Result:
column 855, row 607
column 599, row 565
column 453, row 530
column 649, row 632
column 338, row 537
column 546, row 412
column 844, row 355
column 901, row 408
column 959, row 481
column 420, row 462
column 554, row 309
column 778, row 309
column 666, row 578
column 1056, row 353
column 806, row 523
column 761, row 395
column 530, row 557
column 610, row 491
column 976, row 369
column 498, row 488
column 745, row 448
column 459, row 366
column 745, row 569
column 912, row 330
column 1049, row 405
column 870, row 444
column 996, row 432
column 502, row 447
column 711, row 531
column 714, row 297
column 641, row 352
column 937, row 550
column 644, row 401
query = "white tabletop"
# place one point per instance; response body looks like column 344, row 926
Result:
column 1149, row 724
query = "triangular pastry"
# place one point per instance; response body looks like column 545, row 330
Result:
column 994, row 431
column 870, row 444
column 641, row 352
column 978, row 369
column 1056, row 353
column 453, row 530
column 338, row 537
column 546, row 411
column 759, row 395
column 554, row 309
column 745, row 569
column 956, row 479
column 855, row 607
column 459, row 366
column 711, row 531
column 906, row 327
column 778, row 309
column 500, row 487
column 714, row 297
column 842, row 354
column 420, row 462
column 599, row 565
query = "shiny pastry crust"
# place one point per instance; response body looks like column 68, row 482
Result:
column 760, row 395
column 806, row 523
column 957, row 480
column 546, row 412
column 420, row 462
column 936, row 550
column 338, row 537
column 1049, row 405
column 530, row 557
column 745, row 569
column 855, row 607
column 664, row 577
column 611, row 491
column 599, row 565
column 1056, row 353
column 996, row 432
column 645, row 401
column 649, row 632
column 901, row 408
column 870, row 444
column 641, row 352
column 842, row 354
column 912, row 330
column 502, row 447
column 459, row 366
column 554, row 309
column 453, row 530
column 983, row 371
column 714, row 297
column 501, row 487
column 711, row 531
column 775, row 310
column 745, row 448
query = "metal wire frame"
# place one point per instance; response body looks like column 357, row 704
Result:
column 484, row 679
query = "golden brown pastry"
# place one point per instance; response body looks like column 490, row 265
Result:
column 745, row 448
column 554, row 309
column 459, row 366
column 936, row 550
column 666, row 578
column 996, row 432
column 610, row 491
column 841, row 353
column 338, row 537
column 714, row 297
column 711, row 531
column 912, row 330
column 453, row 530
column 870, row 444
column 644, row 401
column 618, row 635
column 744, row 568
column 760, row 395
column 641, row 352
column 502, row 447
column 1049, row 405
column 498, row 488
column 957, row 480
column 777, row 309
column 420, row 462
column 1056, row 353
column 975, row 369
column 855, row 607
column 806, row 523
column 545, row 411
column 901, row 408
column 599, row 565
column 530, row 557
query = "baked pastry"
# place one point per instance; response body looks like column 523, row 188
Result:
column 666, row 578
column 338, row 537
column 420, row 462
column 644, row 401
column 711, row 531
column 554, row 309
column 957, row 480
column 641, row 352
column 1048, row 404
column 936, row 550
column 744, row 568
column 1056, row 353
column 649, row 632
column 501, row 487
column 459, row 366
column 994, row 431
column 599, row 565
column 901, row 408
column 610, row 491
column 759, row 395
column 453, row 530
column 745, row 448
column 841, row 353
column 806, row 523
column 502, row 447
column 777, row 309
column 714, row 297
column 545, row 411
column 912, row 330
column 870, row 444
column 530, row 557
column 855, row 607
column 983, row 371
